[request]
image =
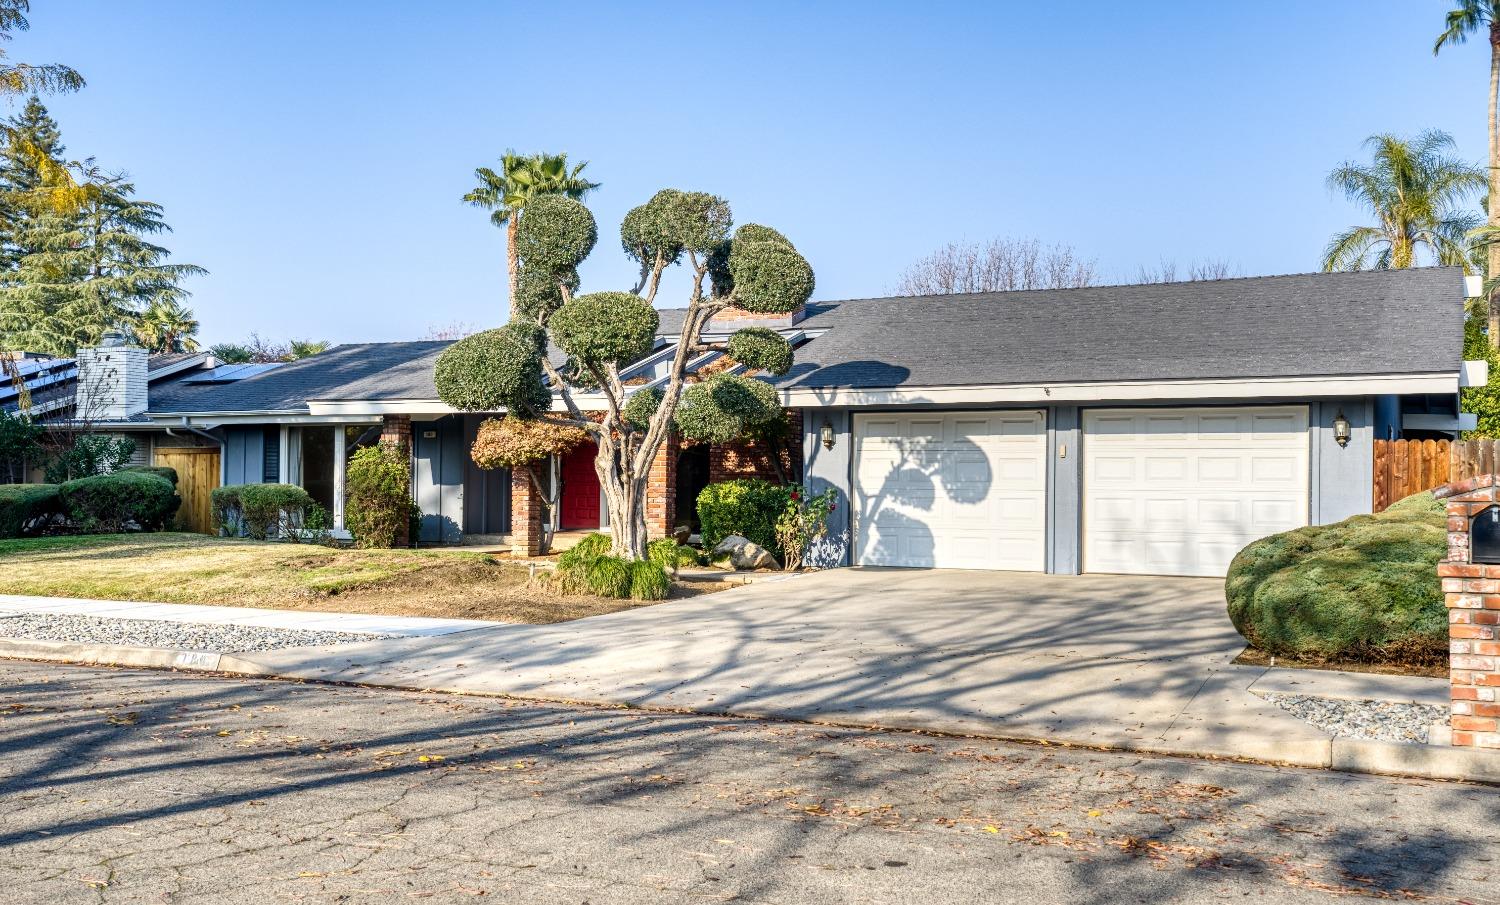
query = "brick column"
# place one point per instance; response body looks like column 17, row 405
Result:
column 1472, row 593
column 526, row 511
column 661, row 490
column 395, row 430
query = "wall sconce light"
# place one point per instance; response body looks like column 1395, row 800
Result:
column 826, row 433
column 1341, row 429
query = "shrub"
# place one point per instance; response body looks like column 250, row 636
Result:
column 26, row 507
column 605, row 327
column 378, row 504
column 112, row 502
column 160, row 470
column 724, row 407
column 259, row 510
column 762, row 349
column 1362, row 589
column 588, row 568
column 804, row 520
column 748, row 507
column 90, row 454
column 511, row 441
column 671, row 555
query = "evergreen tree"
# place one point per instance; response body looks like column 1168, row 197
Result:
column 29, row 139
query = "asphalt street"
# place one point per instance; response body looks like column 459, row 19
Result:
column 133, row 786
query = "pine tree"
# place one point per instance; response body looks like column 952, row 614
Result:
column 28, row 139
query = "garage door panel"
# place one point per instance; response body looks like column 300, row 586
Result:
column 1180, row 493
column 957, row 490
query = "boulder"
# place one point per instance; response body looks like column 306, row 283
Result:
column 745, row 553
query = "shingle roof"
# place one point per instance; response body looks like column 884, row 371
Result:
column 1302, row 325
column 357, row 371
column 1377, row 322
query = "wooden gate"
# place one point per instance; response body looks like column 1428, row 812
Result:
column 197, row 476
column 1405, row 467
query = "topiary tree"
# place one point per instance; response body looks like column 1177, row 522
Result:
column 755, row 269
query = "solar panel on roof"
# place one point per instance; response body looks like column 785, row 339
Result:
column 231, row 373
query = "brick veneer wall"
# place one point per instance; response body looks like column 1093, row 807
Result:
column 752, row 458
column 661, row 490
column 1472, row 593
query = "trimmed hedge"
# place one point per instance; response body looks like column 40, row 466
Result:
column 748, row 507
column 163, row 471
column 109, row 503
column 1364, row 589
column 259, row 510
column 378, row 508
column 23, row 507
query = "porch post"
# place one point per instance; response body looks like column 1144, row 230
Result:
column 525, row 512
column 338, row 477
column 661, row 490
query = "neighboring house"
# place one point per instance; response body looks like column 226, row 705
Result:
column 1153, row 429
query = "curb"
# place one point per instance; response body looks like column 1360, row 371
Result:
column 1347, row 755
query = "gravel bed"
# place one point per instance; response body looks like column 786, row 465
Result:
column 170, row 635
column 1384, row 721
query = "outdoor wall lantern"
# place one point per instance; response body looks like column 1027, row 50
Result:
column 826, row 433
column 1341, row 429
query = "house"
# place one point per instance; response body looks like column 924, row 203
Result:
column 1153, row 429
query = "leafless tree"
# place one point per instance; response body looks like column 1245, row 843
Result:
column 998, row 265
column 454, row 330
column 1166, row 272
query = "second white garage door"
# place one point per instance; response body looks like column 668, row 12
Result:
column 960, row 490
column 1181, row 491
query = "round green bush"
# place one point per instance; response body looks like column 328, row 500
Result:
column 159, row 470
column 110, row 503
column 539, row 293
column 748, row 507
column 259, row 510
column 1364, row 589
column 495, row 370
column 673, row 221
column 641, row 407
column 754, row 232
column 720, row 408
column 769, row 277
column 555, row 234
column 25, row 507
column 761, row 348
column 605, row 327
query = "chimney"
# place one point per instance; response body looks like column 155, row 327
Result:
column 111, row 380
column 735, row 318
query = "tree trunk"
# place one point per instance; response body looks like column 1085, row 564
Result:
column 625, row 497
column 1492, row 270
column 512, row 266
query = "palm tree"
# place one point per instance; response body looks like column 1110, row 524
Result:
column 1417, row 194
column 167, row 326
column 505, row 194
column 1469, row 17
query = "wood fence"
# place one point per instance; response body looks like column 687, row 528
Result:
column 1404, row 467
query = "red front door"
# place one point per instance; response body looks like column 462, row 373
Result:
column 580, row 490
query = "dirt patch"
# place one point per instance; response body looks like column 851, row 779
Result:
column 1252, row 657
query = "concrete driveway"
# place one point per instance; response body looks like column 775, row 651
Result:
column 1131, row 662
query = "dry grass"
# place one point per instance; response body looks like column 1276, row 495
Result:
column 193, row 568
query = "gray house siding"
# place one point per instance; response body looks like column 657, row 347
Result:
column 1064, row 484
column 486, row 492
column 244, row 455
column 438, row 478
column 824, row 468
column 1342, row 477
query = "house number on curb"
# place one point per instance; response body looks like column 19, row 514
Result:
column 1484, row 536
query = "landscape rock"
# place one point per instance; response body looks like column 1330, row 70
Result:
column 745, row 553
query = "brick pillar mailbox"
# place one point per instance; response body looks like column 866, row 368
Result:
column 1471, row 591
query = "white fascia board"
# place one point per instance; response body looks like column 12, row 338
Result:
column 1258, row 388
column 214, row 419
column 1474, row 374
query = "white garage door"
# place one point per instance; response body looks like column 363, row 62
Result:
column 1181, row 491
column 960, row 490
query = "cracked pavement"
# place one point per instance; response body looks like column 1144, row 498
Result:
column 131, row 786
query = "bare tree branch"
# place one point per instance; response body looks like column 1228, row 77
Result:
column 999, row 265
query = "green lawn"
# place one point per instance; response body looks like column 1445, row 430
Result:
column 194, row 568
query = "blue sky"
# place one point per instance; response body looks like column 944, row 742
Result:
column 311, row 155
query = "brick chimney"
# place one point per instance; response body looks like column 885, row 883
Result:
column 111, row 380
column 735, row 318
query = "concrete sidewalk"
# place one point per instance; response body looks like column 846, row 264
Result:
column 359, row 623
